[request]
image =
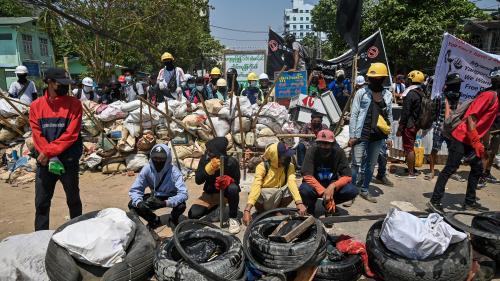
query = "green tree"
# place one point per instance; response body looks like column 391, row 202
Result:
column 14, row 8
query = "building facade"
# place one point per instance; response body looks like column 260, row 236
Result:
column 297, row 20
column 22, row 41
column 485, row 35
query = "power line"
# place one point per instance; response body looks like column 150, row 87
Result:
column 238, row 30
column 240, row 40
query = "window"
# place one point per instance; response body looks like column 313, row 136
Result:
column 301, row 18
column 44, row 47
column 307, row 18
column 294, row 18
column 27, row 44
column 301, row 11
column 287, row 17
column 301, row 27
column 294, row 26
column 5, row 36
column 301, row 34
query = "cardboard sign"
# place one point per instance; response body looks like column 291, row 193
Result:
column 291, row 84
column 245, row 62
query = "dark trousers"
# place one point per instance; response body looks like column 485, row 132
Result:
column 150, row 216
column 232, row 194
column 301, row 154
column 45, row 184
column 309, row 195
column 456, row 152
column 382, row 161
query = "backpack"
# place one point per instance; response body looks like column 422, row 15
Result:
column 427, row 111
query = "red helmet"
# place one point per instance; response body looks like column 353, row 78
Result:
column 325, row 136
column 121, row 78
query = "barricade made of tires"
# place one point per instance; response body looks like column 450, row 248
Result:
column 338, row 266
column 488, row 222
column 453, row 265
column 137, row 264
column 200, row 254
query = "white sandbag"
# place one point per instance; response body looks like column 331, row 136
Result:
column 130, row 106
column 265, row 132
column 112, row 112
column 100, row 241
column 93, row 160
column 135, row 116
column 263, row 142
column 245, row 105
column 224, row 113
column 135, row 162
column 181, row 111
column 275, row 111
column 191, row 163
column 247, row 123
column 213, row 105
column 221, row 126
column 22, row 257
column 271, row 123
column 8, row 111
column 418, row 238
column 163, row 108
column 250, row 139
column 194, row 120
column 188, row 151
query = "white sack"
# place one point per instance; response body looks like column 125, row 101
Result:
column 135, row 162
column 112, row 112
column 245, row 105
column 247, row 123
column 130, row 106
column 8, row 111
column 221, row 126
column 100, row 241
column 418, row 238
column 275, row 111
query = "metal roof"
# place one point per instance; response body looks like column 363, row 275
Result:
column 15, row 20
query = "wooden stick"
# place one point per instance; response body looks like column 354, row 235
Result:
column 89, row 114
column 295, row 135
column 141, row 126
column 170, row 134
column 243, row 142
column 254, row 122
column 17, row 110
column 200, row 97
column 351, row 96
column 151, row 120
column 5, row 95
column 221, row 194
column 6, row 123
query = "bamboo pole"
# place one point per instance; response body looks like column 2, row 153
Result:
column 243, row 142
column 7, row 123
column 89, row 114
column 141, row 126
column 5, row 95
column 16, row 109
column 151, row 119
column 295, row 135
column 200, row 97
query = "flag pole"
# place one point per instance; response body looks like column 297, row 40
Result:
column 351, row 96
column 385, row 54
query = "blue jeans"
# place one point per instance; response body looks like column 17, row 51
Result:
column 382, row 160
column 309, row 195
column 371, row 150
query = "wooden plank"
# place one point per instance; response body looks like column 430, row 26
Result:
column 295, row 232
column 306, row 273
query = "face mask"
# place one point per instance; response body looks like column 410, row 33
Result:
column 253, row 83
column 316, row 125
column 341, row 78
column 453, row 87
column 222, row 89
column 62, row 90
column 214, row 80
column 376, row 85
column 199, row 88
column 22, row 77
column 128, row 78
column 87, row 89
column 169, row 65
column 191, row 86
column 325, row 152
column 159, row 165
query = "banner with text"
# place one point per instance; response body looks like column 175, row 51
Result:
column 245, row 63
column 473, row 65
column 291, row 84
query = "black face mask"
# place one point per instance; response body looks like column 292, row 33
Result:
column 159, row 165
column 62, row 90
column 453, row 87
column 214, row 81
column 341, row 78
column 169, row 65
column 324, row 152
column 222, row 89
column 316, row 125
column 22, row 78
column 376, row 85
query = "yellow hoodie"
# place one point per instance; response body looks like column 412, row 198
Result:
column 275, row 177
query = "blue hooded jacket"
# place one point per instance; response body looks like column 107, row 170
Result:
column 173, row 185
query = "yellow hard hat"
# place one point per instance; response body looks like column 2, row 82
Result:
column 167, row 56
column 377, row 69
column 252, row 76
column 215, row 71
column 416, row 76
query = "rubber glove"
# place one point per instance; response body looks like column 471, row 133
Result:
column 212, row 166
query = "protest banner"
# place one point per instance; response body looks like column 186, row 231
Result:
column 245, row 62
column 291, row 84
column 473, row 65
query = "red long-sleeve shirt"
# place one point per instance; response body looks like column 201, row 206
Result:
column 56, row 124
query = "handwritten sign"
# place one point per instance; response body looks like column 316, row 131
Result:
column 245, row 63
column 291, row 84
column 473, row 65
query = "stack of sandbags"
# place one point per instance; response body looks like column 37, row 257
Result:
column 112, row 112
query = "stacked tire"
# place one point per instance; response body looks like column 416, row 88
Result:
column 215, row 250
column 453, row 265
column 488, row 222
column 137, row 264
column 282, row 256
column 338, row 266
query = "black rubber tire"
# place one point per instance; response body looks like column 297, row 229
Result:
column 230, row 264
column 138, row 263
column 349, row 268
column 453, row 265
column 487, row 247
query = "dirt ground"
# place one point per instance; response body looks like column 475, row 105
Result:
column 100, row 191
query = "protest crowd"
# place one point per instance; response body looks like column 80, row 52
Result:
column 214, row 127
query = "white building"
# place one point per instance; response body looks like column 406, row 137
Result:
column 297, row 20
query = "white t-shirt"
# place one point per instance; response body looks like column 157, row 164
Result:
column 130, row 93
column 27, row 96
column 85, row 96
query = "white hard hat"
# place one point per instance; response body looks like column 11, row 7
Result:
column 360, row 80
column 263, row 76
column 221, row 82
column 87, row 81
column 21, row 70
column 339, row 72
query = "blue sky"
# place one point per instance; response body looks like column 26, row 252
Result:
column 258, row 15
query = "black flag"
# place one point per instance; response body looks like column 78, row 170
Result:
column 278, row 54
column 348, row 21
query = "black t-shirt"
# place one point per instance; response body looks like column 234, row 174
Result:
column 326, row 170
column 370, row 130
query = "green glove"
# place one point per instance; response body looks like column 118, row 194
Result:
column 56, row 167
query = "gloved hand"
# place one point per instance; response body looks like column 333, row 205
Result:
column 329, row 206
column 222, row 182
column 142, row 207
column 212, row 166
column 476, row 142
column 155, row 203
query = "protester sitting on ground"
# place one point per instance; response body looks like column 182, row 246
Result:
column 341, row 88
column 208, row 174
column 264, row 84
column 449, row 98
column 232, row 80
column 465, row 142
column 326, row 174
column 314, row 127
column 87, row 92
column 409, row 116
column 170, row 77
column 221, row 92
column 23, row 89
column 252, row 92
column 167, row 186
column 56, row 122
column 274, row 185
column 369, row 126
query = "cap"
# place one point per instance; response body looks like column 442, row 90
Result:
column 340, row 72
column 325, row 136
column 57, row 74
column 283, row 150
column 453, row 78
column 158, row 152
column 360, row 80
column 316, row 114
